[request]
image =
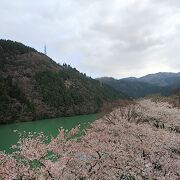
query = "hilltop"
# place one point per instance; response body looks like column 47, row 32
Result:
column 33, row 86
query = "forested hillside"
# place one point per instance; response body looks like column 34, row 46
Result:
column 162, row 78
column 33, row 86
column 133, row 88
column 160, row 83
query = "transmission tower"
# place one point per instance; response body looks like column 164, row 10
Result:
column 45, row 50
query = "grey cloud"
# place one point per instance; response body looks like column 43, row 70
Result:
column 174, row 3
column 101, row 38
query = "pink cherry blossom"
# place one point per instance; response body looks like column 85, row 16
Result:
column 134, row 141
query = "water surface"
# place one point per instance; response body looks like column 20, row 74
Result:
column 48, row 126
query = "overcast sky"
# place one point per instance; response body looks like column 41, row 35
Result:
column 117, row 38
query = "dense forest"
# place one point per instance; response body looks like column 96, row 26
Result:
column 33, row 86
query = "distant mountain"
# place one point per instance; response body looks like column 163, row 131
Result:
column 130, row 79
column 162, row 83
column 133, row 88
column 33, row 86
column 161, row 78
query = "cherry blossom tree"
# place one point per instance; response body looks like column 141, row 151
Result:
column 124, row 144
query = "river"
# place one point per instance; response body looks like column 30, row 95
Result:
column 48, row 126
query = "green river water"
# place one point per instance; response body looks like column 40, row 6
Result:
column 47, row 126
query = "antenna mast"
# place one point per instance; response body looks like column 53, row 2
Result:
column 45, row 50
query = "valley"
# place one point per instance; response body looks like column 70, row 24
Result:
column 101, row 128
column 90, row 90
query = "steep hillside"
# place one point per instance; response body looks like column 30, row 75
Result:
column 33, row 86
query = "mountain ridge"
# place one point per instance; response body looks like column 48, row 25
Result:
column 159, row 83
column 161, row 78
